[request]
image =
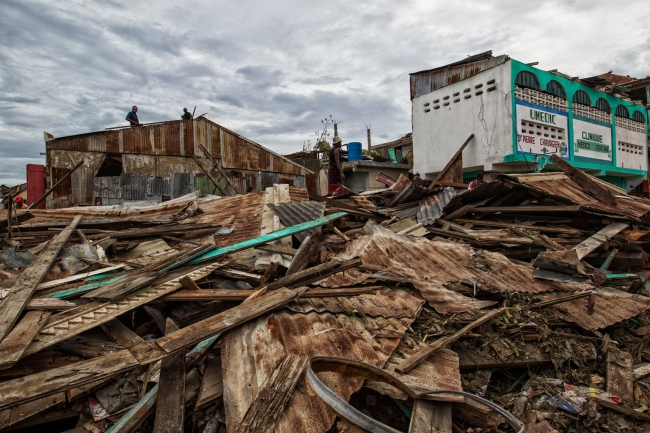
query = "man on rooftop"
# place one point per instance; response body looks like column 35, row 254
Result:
column 186, row 114
column 132, row 117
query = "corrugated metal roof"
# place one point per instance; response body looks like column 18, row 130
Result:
column 611, row 306
column 427, row 81
column 559, row 185
column 431, row 207
column 264, row 340
column 158, row 186
column 295, row 213
column 348, row 278
column 430, row 265
column 181, row 184
column 406, row 191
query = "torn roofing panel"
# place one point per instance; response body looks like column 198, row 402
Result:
column 386, row 303
column 347, row 278
column 295, row 213
column 429, row 265
column 611, row 306
column 431, row 208
column 250, row 353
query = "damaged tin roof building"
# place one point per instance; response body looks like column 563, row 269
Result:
column 521, row 115
column 161, row 161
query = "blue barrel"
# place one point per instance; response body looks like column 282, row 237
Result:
column 354, row 151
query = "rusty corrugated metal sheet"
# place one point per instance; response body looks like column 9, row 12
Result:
column 611, row 306
column 311, row 183
column 406, row 191
column 113, row 141
column 82, row 187
column 563, row 186
column 133, row 186
column 295, row 213
column 188, row 137
column 298, row 194
column 348, row 278
column 65, row 188
column 107, row 187
column 136, row 140
column 430, row 265
column 215, row 140
column 428, row 81
column 266, row 339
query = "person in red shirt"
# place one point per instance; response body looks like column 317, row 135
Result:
column 19, row 202
column 476, row 182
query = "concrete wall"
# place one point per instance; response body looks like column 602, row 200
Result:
column 631, row 149
column 464, row 108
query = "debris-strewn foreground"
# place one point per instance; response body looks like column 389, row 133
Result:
column 277, row 311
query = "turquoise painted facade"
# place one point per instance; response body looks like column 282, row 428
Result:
column 602, row 156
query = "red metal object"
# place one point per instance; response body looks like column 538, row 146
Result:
column 35, row 184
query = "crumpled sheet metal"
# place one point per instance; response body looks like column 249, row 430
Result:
column 429, row 265
column 295, row 213
column 431, row 208
column 611, row 306
column 250, row 352
column 385, row 303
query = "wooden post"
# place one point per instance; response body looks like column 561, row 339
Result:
column 369, row 142
column 49, row 191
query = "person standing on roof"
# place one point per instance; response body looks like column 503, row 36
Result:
column 186, row 115
column 132, row 117
column 476, row 182
column 335, row 176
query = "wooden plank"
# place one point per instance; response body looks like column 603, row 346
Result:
column 527, row 209
column 590, row 185
column 74, row 322
column 88, row 347
column 452, row 169
column 596, row 240
column 208, row 174
column 551, row 229
column 211, row 383
column 49, row 191
column 430, row 417
column 409, row 363
column 277, row 249
column 14, row 303
column 639, row 416
column 239, row 295
column 78, row 277
column 264, row 414
column 279, row 234
column 620, row 377
column 132, row 419
column 49, row 382
column 9, row 417
column 228, row 319
column 120, row 333
column 170, row 408
column 309, row 249
column 14, row 345
column 49, row 304
column 458, row 213
column 189, row 284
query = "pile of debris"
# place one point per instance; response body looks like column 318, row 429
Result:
column 521, row 304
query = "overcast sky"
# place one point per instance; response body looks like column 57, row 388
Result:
column 270, row 70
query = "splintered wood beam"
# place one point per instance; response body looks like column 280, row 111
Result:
column 60, row 181
column 239, row 295
column 14, row 303
column 265, row 412
column 170, row 408
column 620, row 376
column 211, row 383
column 453, row 162
column 12, row 347
column 411, row 362
column 585, row 181
column 593, row 242
column 309, row 249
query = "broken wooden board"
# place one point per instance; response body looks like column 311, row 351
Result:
column 240, row 295
column 585, row 181
column 80, row 319
column 14, row 303
column 170, row 407
column 620, row 377
column 593, row 242
column 9, row 417
column 78, row 277
column 14, row 345
column 453, row 171
column 430, row 417
column 211, row 383
column 265, row 412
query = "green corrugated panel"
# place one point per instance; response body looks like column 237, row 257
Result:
column 204, row 185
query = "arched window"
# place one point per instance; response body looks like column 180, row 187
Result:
column 555, row 88
column 638, row 117
column 621, row 111
column 527, row 79
column 581, row 97
column 603, row 105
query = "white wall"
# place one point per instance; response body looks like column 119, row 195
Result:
column 439, row 133
column 631, row 149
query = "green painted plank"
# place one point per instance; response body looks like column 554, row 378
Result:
column 269, row 237
column 83, row 289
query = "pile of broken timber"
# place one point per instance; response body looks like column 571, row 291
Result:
column 205, row 315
